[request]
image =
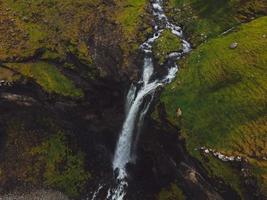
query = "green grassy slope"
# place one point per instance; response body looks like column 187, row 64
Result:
column 63, row 28
column 26, row 34
column 58, row 28
column 207, row 19
column 222, row 93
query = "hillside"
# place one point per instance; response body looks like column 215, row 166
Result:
column 222, row 94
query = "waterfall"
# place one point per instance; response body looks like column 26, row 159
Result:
column 139, row 99
column 130, row 98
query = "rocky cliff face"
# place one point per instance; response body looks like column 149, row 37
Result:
column 64, row 72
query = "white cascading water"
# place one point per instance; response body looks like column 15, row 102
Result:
column 135, row 107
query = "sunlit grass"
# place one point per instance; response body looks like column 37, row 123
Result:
column 48, row 77
column 207, row 19
column 222, row 93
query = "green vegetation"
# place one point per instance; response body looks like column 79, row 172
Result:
column 49, row 77
column 133, row 19
column 62, row 31
column 166, row 44
column 59, row 27
column 63, row 169
column 222, row 93
column 130, row 14
column 38, row 154
column 206, row 19
column 171, row 193
column 51, row 35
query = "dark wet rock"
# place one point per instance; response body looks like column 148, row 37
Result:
column 18, row 99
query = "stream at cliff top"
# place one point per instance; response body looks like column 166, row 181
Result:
column 138, row 101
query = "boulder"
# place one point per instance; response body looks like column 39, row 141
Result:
column 178, row 112
column 233, row 45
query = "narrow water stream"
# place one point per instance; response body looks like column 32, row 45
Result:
column 139, row 99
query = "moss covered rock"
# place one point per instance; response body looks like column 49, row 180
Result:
column 166, row 44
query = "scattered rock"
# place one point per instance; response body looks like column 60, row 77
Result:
column 206, row 151
column 192, row 176
column 25, row 19
column 5, row 83
column 233, row 45
column 19, row 99
column 221, row 156
column 36, row 195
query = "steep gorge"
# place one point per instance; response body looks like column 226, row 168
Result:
column 66, row 72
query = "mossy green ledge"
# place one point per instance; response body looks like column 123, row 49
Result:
column 48, row 77
column 166, row 44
